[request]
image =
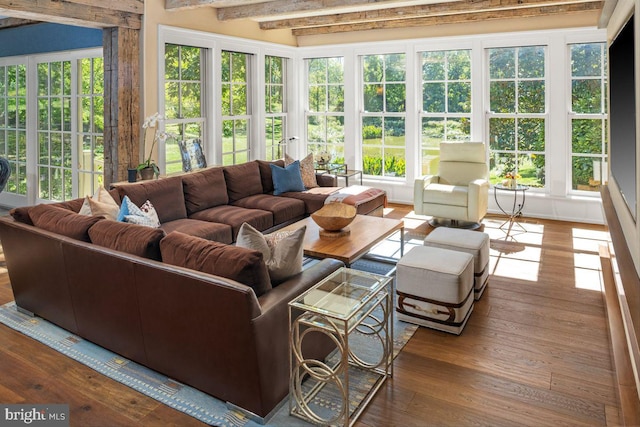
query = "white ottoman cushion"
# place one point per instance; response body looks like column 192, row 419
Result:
column 472, row 242
column 434, row 288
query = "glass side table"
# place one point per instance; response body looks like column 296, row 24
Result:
column 519, row 192
column 346, row 305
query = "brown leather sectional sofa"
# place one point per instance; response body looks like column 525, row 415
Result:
column 105, row 281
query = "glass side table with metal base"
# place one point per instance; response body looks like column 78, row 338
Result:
column 519, row 192
column 345, row 306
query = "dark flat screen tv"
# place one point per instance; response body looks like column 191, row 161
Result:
column 622, row 114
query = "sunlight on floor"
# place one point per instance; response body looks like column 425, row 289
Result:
column 588, row 279
column 514, row 268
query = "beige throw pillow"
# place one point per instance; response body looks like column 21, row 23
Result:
column 281, row 250
column 307, row 170
column 100, row 204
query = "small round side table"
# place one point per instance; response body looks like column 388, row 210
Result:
column 519, row 191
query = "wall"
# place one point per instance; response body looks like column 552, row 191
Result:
column 629, row 290
column 631, row 229
column 47, row 37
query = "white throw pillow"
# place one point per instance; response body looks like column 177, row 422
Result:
column 281, row 250
column 100, row 204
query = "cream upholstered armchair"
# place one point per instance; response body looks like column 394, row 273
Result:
column 460, row 191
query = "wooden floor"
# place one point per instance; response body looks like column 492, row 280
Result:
column 535, row 351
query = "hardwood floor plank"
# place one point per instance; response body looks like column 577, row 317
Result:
column 559, row 338
column 582, row 387
column 519, row 403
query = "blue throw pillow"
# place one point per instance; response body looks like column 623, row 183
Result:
column 287, row 179
column 124, row 209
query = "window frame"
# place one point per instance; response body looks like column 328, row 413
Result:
column 182, row 122
column 326, row 114
column 517, row 115
column 446, row 115
column 384, row 114
column 603, row 117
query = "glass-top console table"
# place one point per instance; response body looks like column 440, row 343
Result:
column 345, row 306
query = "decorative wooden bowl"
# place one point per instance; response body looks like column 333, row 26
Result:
column 333, row 218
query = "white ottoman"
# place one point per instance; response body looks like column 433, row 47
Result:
column 472, row 242
column 435, row 288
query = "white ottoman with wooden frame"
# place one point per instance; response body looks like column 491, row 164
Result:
column 475, row 243
column 435, row 288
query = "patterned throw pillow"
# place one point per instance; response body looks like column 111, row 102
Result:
column 307, row 170
column 144, row 215
column 281, row 250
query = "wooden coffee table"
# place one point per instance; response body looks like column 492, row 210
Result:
column 365, row 232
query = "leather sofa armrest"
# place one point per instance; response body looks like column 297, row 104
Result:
column 291, row 288
column 478, row 201
column 326, row 180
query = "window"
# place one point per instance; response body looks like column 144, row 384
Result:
column 517, row 117
column 236, row 110
column 275, row 105
column 383, row 118
column 588, row 116
column 13, row 125
column 54, row 131
column 91, row 131
column 325, row 114
column 446, row 102
column 183, row 112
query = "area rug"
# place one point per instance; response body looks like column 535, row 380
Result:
column 160, row 387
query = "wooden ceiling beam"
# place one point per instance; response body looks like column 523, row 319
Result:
column 72, row 13
column 172, row 5
column 15, row 22
column 130, row 6
column 283, row 7
column 530, row 12
column 426, row 10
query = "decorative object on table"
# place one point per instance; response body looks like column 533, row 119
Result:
column 132, row 174
column 511, row 180
column 333, row 219
column 148, row 169
column 322, row 158
column 192, row 155
column 5, row 172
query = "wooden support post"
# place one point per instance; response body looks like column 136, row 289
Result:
column 121, row 102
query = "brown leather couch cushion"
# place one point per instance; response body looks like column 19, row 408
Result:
column 63, row 221
column 242, row 180
column 165, row 194
column 130, row 238
column 265, row 173
column 242, row 265
column 204, row 189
